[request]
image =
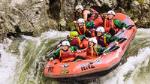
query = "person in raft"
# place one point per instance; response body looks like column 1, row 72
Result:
column 81, row 28
column 104, row 39
column 80, row 12
column 92, row 51
column 93, row 24
column 111, row 24
column 65, row 53
column 77, row 40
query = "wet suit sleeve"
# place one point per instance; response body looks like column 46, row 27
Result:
column 81, row 37
column 90, row 24
column 69, row 39
column 119, row 24
column 110, row 38
column 56, row 53
column 100, row 50
column 72, row 48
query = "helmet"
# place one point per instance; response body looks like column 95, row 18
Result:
column 65, row 43
column 111, row 12
column 100, row 29
column 80, row 20
column 94, row 40
column 73, row 34
column 79, row 7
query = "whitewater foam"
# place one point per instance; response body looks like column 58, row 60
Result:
column 51, row 34
column 7, row 65
column 119, row 75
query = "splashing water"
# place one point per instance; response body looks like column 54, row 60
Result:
column 32, row 51
column 123, row 74
column 8, row 63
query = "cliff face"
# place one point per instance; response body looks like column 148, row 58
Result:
column 28, row 15
column 36, row 16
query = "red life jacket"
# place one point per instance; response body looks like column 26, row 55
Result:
column 84, row 43
column 67, row 56
column 87, row 53
column 93, row 32
column 75, row 41
column 108, row 25
column 93, row 13
column 91, row 53
column 81, row 31
column 98, row 21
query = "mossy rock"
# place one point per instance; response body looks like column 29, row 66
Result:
column 141, row 1
column 71, row 26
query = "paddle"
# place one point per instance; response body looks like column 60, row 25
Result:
column 110, row 47
column 55, row 47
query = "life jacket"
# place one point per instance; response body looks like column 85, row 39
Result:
column 102, row 40
column 67, row 56
column 91, row 12
column 109, row 25
column 87, row 53
column 84, row 43
column 94, row 14
column 75, row 41
column 85, row 31
column 98, row 21
column 93, row 32
column 91, row 53
column 79, row 43
column 82, row 31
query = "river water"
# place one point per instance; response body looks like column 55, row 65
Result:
column 26, row 66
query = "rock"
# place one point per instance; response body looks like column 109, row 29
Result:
column 135, row 3
column 62, row 23
column 15, row 2
column 38, row 16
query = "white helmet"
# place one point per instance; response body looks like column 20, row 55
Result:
column 100, row 29
column 94, row 40
column 80, row 20
column 65, row 43
column 111, row 12
column 79, row 7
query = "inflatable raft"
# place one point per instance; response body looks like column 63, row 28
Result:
column 56, row 69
